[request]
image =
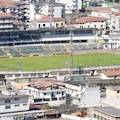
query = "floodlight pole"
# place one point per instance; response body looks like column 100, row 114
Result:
column 71, row 53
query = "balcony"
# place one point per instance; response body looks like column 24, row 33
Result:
column 6, row 21
column 6, row 26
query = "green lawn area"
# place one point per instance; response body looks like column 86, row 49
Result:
column 59, row 61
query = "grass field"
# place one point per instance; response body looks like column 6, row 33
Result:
column 59, row 61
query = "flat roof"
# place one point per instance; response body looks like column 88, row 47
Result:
column 2, row 96
column 75, row 82
column 115, row 88
column 50, row 3
column 111, row 111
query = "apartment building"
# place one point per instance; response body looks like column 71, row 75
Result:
column 49, row 92
column 10, row 101
column 71, row 6
column 51, row 9
column 6, row 22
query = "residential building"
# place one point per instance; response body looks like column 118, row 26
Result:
column 112, row 97
column 46, row 92
column 10, row 101
column 51, row 9
column 83, row 95
column 110, row 74
column 47, row 22
column 106, row 113
column 91, row 22
column 110, row 14
column 71, row 6
column 6, row 22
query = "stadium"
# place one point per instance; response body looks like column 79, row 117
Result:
column 46, row 52
column 42, row 42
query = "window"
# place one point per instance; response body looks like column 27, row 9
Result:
column 56, row 24
column 16, row 98
column 24, row 104
column 7, row 107
column 17, row 105
column 44, row 93
column 118, row 91
column 7, row 101
column 43, row 25
column 101, row 26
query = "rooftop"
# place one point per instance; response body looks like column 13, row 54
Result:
column 75, row 82
column 50, row 3
column 111, row 101
column 6, row 15
column 41, row 84
column 11, row 96
column 90, row 19
column 115, row 88
column 112, row 73
column 111, row 111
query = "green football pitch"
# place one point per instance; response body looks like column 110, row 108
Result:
column 58, row 61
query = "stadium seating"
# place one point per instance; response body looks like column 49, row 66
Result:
column 12, row 51
column 2, row 53
column 59, row 48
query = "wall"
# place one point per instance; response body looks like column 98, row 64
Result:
column 32, row 12
column 19, row 105
column 112, row 93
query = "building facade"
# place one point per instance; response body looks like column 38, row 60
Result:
column 12, row 102
column 71, row 6
column 83, row 95
column 46, row 92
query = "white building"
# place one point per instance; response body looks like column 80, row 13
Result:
column 91, row 22
column 71, row 5
column 110, row 74
column 112, row 16
column 47, row 22
column 112, row 97
column 49, row 9
column 83, row 95
column 12, row 102
column 46, row 92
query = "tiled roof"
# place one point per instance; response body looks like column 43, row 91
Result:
column 56, row 19
column 45, row 19
column 112, row 73
column 6, row 15
column 16, row 22
column 7, row 3
column 48, row 19
column 89, row 19
column 41, row 84
column 102, row 9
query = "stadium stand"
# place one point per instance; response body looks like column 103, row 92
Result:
column 12, row 51
column 2, row 53
column 46, row 41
